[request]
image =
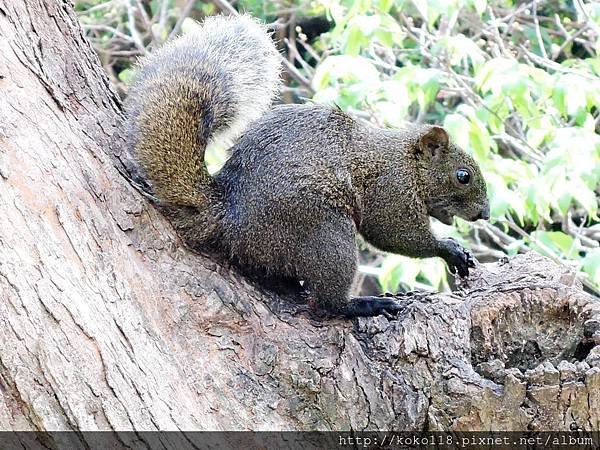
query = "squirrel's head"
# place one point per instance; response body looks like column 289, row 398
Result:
column 455, row 186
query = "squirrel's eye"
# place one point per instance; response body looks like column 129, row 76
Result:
column 463, row 176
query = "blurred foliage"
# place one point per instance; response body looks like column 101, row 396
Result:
column 516, row 84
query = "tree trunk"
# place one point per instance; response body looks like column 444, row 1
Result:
column 107, row 322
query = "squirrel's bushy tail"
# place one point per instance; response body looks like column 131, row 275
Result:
column 206, row 85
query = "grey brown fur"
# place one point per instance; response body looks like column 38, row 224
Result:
column 301, row 181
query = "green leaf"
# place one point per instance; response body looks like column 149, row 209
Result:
column 584, row 196
column 498, row 195
column 385, row 5
column 458, row 127
column 493, row 73
column 554, row 242
column 591, row 265
column 354, row 40
column 398, row 269
column 390, row 25
column 126, row 76
column 462, row 50
column 433, row 271
column 480, row 140
column 480, row 6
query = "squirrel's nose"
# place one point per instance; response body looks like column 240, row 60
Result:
column 485, row 212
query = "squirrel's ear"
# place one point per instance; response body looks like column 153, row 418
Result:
column 433, row 142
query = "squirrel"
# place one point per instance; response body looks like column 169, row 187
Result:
column 302, row 180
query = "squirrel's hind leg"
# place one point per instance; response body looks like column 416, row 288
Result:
column 329, row 265
column 327, row 262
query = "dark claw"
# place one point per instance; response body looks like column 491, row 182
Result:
column 373, row 306
column 458, row 258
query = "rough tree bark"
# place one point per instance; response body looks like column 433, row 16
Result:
column 107, row 322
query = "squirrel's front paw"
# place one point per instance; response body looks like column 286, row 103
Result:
column 458, row 258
